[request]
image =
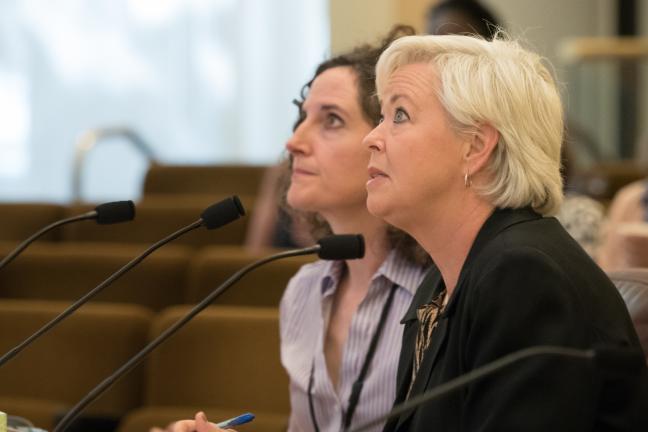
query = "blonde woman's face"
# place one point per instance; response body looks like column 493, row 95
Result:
column 416, row 158
column 329, row 168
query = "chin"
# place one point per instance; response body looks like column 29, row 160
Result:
column 386, row 211
column 377, row 207
column 300, row 202
column 294, row 200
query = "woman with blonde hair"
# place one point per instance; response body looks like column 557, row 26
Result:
column 467, row 160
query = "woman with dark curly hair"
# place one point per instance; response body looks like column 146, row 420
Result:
column 331, row 311
column 340, row 320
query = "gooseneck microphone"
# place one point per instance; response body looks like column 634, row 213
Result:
column 104, row 214
column 336, row 247
column 215, row 216
column 616, row 360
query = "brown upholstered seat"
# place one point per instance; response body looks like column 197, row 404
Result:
column 264, row 286
column 67, row 271
column 633, row 286
column 58, row 369
column 18, row 221
column 225, row 361
column 205, row 179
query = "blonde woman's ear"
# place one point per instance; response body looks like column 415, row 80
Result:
column 480, row 147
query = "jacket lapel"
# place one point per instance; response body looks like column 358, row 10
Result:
column 427, row 291
column 429, row 359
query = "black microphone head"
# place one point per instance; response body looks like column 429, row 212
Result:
column 341, row 247
column 115, row 212
column 222, row 213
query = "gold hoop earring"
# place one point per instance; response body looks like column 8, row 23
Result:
column 467, row 180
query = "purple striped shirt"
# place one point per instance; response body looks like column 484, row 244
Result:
column 304, row 315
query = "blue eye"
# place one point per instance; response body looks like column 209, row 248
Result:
column 381, row 119
column 400, row 116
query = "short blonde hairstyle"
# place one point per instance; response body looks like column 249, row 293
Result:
column 502, row 84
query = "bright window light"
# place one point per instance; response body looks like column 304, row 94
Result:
column 14, row 112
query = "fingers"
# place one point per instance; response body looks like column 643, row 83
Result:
column 203, row 425
column 182, row 426
column 198, row 424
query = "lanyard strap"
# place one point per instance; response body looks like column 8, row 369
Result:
column 311, row 409
column 356, row 389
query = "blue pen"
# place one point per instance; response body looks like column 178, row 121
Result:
column 238, row 420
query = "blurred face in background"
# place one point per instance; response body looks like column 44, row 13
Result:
column 329, row 160
column 452, row 22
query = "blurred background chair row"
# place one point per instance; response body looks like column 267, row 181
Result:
column 226, row 361
column 172, row 275
column 172, row 196
column 178, row 180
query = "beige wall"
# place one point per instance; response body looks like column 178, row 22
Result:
column 588, row 90
column 357, row 21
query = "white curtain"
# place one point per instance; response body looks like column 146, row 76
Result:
column 203, row 81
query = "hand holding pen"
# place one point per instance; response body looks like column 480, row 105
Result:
column 235, row 421
column 201, row 424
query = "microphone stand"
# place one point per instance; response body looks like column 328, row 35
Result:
column 104, row 214
column 22, row 246
column 80, row 302
column 476, row 374
column 137, row 358
column 214, row 216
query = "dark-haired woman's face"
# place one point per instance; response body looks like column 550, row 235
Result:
column 329, row 161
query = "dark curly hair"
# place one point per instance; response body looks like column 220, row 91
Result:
column 362, row 60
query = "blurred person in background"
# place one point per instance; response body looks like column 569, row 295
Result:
column 271, row 224
column 461, row 17
column 625, row 243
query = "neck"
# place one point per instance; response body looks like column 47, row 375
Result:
column 374, row 231
column 448, row 235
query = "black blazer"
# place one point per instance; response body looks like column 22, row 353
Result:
column 525, row 282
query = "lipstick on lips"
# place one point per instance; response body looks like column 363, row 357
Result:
column 375, row 174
